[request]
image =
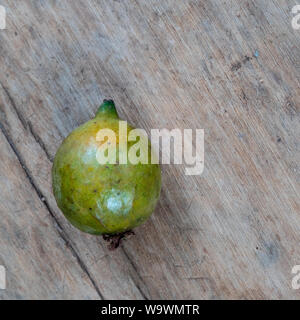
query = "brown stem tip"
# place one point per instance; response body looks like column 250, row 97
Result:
column 115, row 239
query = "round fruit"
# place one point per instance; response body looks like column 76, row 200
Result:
column 107, row 199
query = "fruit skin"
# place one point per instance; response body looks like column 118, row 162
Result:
column 102, row 199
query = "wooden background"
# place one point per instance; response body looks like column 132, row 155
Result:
column 231, row 68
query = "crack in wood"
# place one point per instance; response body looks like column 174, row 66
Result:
column 26, row 124
column 39, row 141
column 13, row 104
column 138, row 274
column 58, row 226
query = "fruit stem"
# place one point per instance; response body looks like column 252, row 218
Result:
column 107, row 109
column 115, row 239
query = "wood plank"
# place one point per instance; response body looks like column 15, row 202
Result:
column 38, row 263
column 231, row 68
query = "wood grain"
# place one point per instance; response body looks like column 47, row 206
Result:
column 231, row 68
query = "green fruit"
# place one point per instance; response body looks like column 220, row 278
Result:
column 105, row 199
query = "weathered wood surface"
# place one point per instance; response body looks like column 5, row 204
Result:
column 232, row 232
